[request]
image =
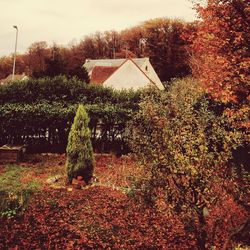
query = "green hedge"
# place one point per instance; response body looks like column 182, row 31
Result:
column 63, row 90
column 40, row 112
column 49, row 124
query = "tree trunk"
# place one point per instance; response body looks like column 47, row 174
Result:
column 202, row 234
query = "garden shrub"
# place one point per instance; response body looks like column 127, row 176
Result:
column 79, row 150
column 185, row 149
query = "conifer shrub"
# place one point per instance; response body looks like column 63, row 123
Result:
column 79, row 149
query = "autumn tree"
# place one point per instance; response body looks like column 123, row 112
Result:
column 165, row 47
column 6, row 65
column 159, row 39
column 89, row 48
column 132, row 40
column 220, row 60
column 101, row 45
column 36, row 57
column 73, row 59
column 221, row 49
column 79, row 149
column 55, row 64
column 113, row 43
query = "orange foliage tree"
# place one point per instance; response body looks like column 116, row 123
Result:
column 6, row 65
column 220, row 49
column 159, row 39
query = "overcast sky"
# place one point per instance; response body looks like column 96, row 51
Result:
column 63, row 21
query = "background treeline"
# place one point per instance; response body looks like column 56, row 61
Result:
column 39, row 112
column 160, row 39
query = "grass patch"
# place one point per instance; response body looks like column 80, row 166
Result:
column 14, row 194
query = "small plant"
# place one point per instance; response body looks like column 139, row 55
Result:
column 13, row 192
column 10, row 213
column 53, row 204
column 79, row 150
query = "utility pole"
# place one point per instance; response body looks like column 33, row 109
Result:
column 14, row 63
column 142, row 44
column 114, row 45
column 126, row 51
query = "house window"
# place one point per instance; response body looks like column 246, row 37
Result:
column 146, row 68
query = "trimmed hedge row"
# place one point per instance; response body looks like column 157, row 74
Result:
column 47, row 125
column 60, row 89
column 39, row 113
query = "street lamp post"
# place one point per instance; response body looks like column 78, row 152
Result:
column 14, row 63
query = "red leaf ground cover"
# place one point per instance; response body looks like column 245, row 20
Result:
column 97, row 217
column 102, row 216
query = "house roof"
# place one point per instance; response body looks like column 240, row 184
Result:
column 100, row 70
column 137, row 66
column 101, row 73
column 16, row 78
column 143, row 72
column 90, row 64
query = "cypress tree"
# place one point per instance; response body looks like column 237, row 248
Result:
column 80, row 156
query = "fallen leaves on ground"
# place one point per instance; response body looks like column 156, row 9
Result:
column 96, row 217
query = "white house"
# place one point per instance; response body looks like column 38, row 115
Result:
column 123, row 73
column 9, row 78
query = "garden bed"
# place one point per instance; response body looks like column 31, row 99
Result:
column 11, row 154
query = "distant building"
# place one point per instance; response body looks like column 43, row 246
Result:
column 122, row 73
column 8, row 79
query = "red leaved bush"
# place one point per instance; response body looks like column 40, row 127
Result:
column 223, row 221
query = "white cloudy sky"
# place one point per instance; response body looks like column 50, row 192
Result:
column 63, row 21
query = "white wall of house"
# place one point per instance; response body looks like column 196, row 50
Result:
column 25, row 78
column 148, row 69
column 126, row 77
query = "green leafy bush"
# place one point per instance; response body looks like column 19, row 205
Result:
column 79, row 150
column 184, row 147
